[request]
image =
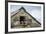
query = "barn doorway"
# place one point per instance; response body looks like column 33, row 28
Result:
column 22, row 19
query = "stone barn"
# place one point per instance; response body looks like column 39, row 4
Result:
column 22, row 19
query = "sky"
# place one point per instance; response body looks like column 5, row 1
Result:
column 35, row 11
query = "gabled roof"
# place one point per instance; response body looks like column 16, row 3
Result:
column 27, row 13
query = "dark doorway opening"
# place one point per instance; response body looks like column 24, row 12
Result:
column 22, row 19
